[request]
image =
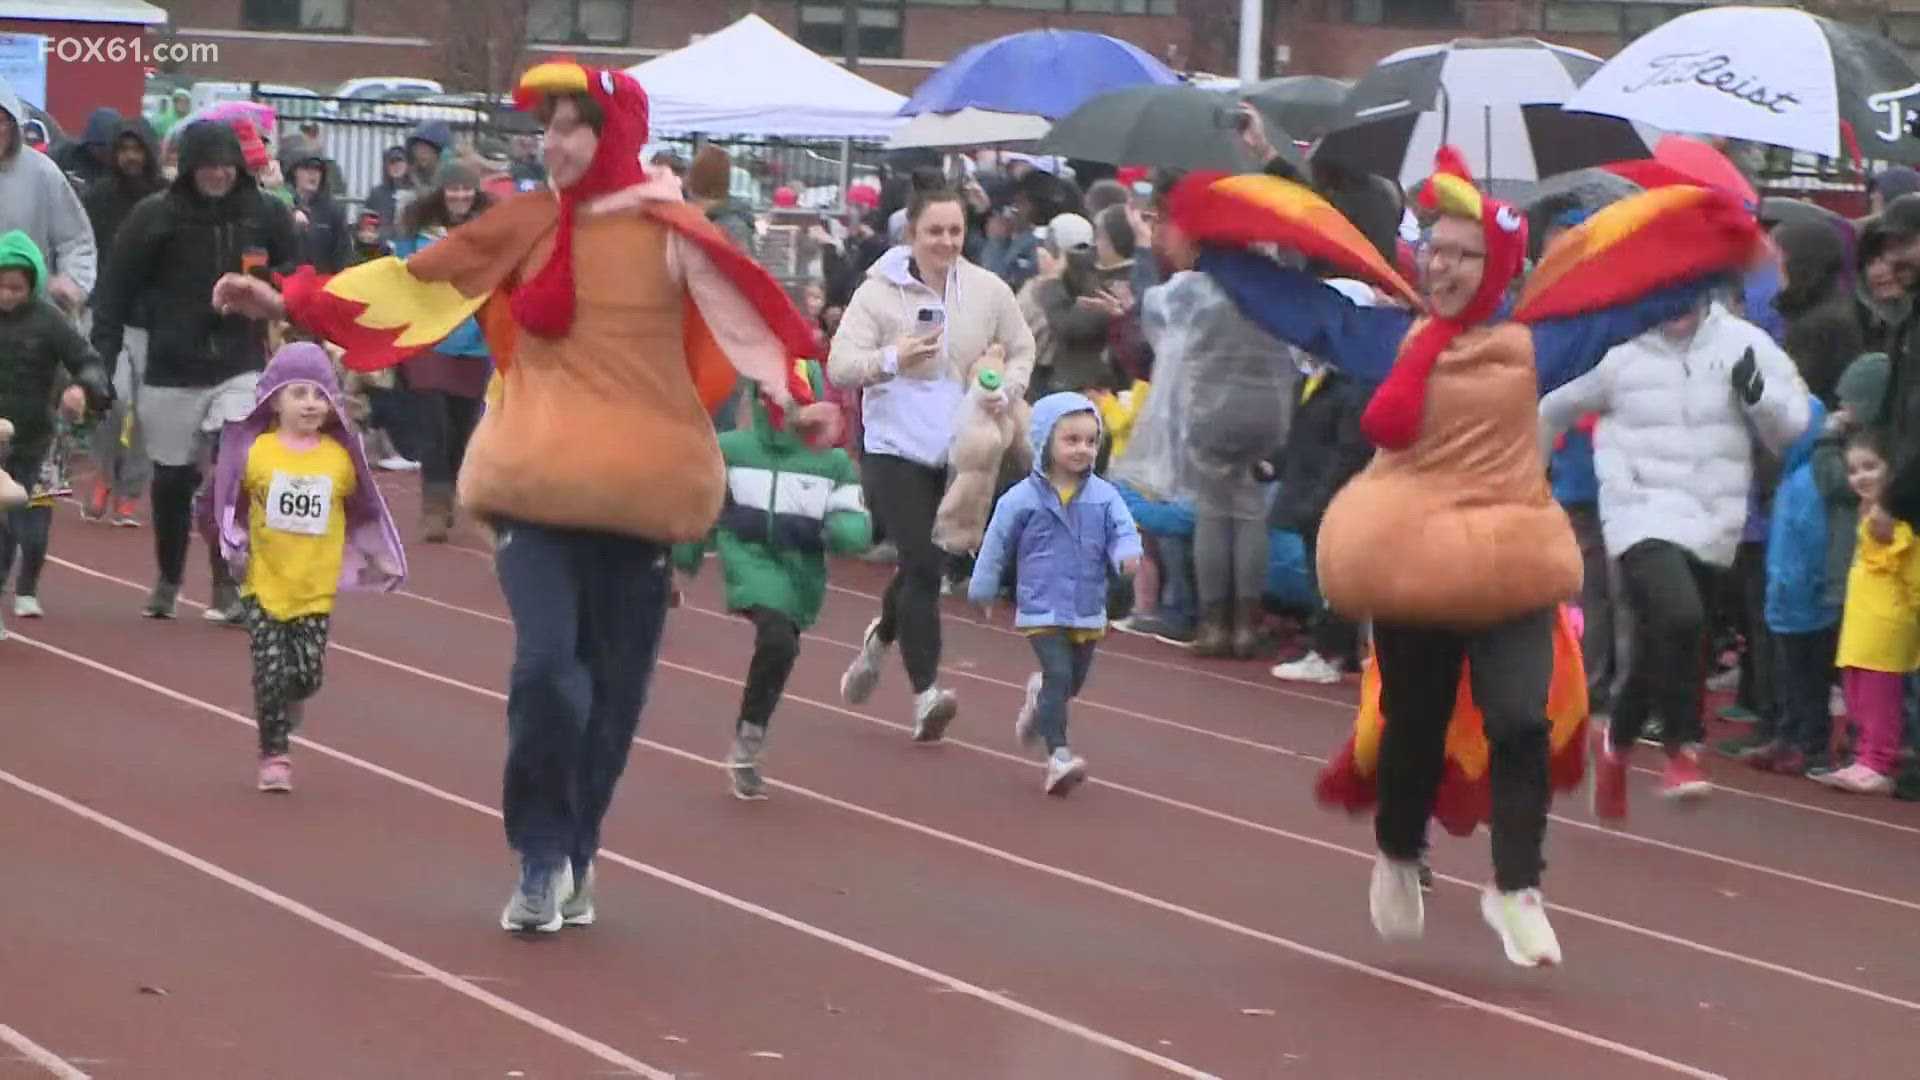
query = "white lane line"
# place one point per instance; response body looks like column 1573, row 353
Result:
column 40, row 1055
column 949, row 982
column 332, row 925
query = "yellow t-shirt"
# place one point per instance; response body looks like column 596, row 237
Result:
column 1880, row 629
column 296, row 524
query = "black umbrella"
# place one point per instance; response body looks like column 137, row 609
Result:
column 1305, row 106
column 1582, row 189
column 1779, row 211
column 1176, row 127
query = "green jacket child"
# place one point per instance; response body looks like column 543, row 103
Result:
column 787, row 507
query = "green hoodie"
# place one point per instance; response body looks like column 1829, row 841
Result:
column 18, row 251
column 40, row 353
column 787, row 507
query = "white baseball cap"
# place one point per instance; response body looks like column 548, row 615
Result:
column 1070, row 231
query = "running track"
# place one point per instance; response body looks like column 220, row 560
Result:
column 892, row 911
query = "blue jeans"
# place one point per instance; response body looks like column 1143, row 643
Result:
column 1179, row 606
column 588, row 609
column 1063, row 671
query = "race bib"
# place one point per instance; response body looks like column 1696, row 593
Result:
column 300, row 504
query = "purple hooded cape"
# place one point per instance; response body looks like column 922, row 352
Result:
column 371, row 534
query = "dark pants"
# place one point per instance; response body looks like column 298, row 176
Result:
column 1063, row 671
column 173, row 489
column 444, row 423
column 289, row 656
column 588, row 609
column 1668, row 590
column 1806, row 680
column 776, row 645
column 1335, row 639
column 1759, row 684
column 904, row 497
column 391, row 411
column 1596, row 605
column 1511, row 666
column 26, row 531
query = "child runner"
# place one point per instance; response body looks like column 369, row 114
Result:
column 31, row 528
column 788, row 504
column 39, row 352
column 295, row 473
column 1063, row 529
column 1880, row 630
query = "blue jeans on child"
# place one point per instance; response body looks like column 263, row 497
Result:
column 1063, row 671
column 588, row 610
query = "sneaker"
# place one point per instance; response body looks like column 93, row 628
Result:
column 933, row 710
column 1858, row 779
column 856, row 686
column 884, row 552
column 28, row 607
column 1393, row 898
column 1131, row 625
column 1742, row 747
column 1065, row 771
column 1684, row 778
column 743, row 763
column 1607, row 793
column 162, row 601
column 1789, row 762
column 1520, row 918
column 1426, row 877
column 1025, row 731
column 396, row 463
column 276, row 773
column 1653, row 733
column 577, row 908
column 225, row 608
column 1161, row 630
column 126, row 514
column 1311, row 668
column 1764, row 756
column 535, row 905
column 95, row 507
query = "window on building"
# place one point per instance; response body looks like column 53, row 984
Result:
column 1578, row 17
column 1640, row 18
column 312, row 15
column 1417, row 13
column 579, row 22
column 823, row 29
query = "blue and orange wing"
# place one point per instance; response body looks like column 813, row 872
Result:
column 1236, row 211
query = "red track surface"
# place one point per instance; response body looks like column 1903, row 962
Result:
column 892, row 911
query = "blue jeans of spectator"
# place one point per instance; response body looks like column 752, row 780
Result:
column 1063, row 671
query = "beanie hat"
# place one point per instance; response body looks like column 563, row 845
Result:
column 1863, row 386
column 456, row 173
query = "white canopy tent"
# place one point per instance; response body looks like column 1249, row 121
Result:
column 751, row 79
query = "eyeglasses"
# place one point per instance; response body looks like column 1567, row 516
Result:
column 1448, row 254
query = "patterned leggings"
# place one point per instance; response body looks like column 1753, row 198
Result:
column 287, row 657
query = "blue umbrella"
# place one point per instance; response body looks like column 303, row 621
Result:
column 1046, row 73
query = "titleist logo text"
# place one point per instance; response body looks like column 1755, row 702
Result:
column 1715, row 72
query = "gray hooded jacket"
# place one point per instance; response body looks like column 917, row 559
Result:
column 36, row 198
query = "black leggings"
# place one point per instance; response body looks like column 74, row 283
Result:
column 173, row 489
column 904, row 497
column 1512, row 665
column 444, row 423
column 1667, row 591
column 776, row 645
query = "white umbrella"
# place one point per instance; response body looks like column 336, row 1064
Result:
column 968, row 127
column 1770, row 75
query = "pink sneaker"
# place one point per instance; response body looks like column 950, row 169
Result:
column 276, row 773
column 1684, row 778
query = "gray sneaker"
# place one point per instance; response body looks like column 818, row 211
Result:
column 162, row 601
column 577, row 908
column 933, row 710
column 535, row 905
column 225, row 607
column 743, row 763
column 864, row 673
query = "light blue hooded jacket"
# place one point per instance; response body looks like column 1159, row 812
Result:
column 1062, row 552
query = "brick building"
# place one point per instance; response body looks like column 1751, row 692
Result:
column 321, row 42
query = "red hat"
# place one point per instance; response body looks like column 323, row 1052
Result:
column 253, row 149
column 864, row 196
column 785, row 198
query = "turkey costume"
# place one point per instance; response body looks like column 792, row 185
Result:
column 1450, row 541
column 618, row 318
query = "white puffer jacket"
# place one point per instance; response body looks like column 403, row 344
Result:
column 1674, row 446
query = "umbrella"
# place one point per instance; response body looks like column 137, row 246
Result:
column 1498, row 100
column 1046, row 73
column 968, row 127
column 261, row 115
column 1770, row 75
column 1680, row 160
column 1177, row 127
column 1779, row 211
column 1304, row 106
column 1582, row 189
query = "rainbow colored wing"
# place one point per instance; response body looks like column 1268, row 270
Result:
column 1664, row 237
column 1255, row 209
column 380, row 313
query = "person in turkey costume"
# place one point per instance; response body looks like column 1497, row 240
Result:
column 618, row 318
column 1450, row 541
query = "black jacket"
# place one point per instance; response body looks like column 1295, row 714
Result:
column 1324, row 450
column 40, row 352
column 327, row 242
column 76, row 158
column 168, row 255
column 111, row 198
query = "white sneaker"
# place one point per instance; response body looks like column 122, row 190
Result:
column 1065, row 771
column 1311, row 668
column 577, row 909
column 856, row 686
column 933, row 710
column 28, row 607
column 396, row 463
column 1520, row 918
column 1025, row 731
column 1399, row 912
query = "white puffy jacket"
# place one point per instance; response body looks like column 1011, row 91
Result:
column 1674, row 446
